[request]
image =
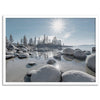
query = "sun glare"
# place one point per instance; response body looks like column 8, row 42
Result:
column 57, row 25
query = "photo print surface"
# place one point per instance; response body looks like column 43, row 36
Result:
column 50, row 50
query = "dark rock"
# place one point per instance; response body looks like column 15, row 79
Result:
column 79, row 54
column 51, row 61
column 93, row 49
column 68, row 51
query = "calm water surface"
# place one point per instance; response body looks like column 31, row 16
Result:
column 16, row 68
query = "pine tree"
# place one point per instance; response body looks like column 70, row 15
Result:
column 31, row 41
column 7, row 42
column 21, row 41
column 35, row 41
column 11, row 38
column 39, row 40
column 25, row 40
column 44, row 39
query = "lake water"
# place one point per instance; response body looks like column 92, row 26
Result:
column 16, row 68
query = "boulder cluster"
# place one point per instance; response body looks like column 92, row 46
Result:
column 90, row 58
column 19, row 51
column 77, row 53
column 49, row 73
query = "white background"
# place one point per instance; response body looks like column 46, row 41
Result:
column 48, row 7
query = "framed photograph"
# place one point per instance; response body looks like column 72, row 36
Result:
column 50, row 50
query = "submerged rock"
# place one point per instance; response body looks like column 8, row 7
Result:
column 46, row 74
column 77, row 76
column 79, row 54
column 23, row 55
column 68, row 51
column 51, row 61
column 91, row 62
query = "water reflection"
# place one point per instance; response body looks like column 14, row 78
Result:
column 68, row 57
column 17, row 68
column 43, row 55
column 57, row 66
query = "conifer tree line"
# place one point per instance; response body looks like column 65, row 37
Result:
column 24, row 41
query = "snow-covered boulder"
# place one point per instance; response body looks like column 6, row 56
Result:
column 11, row 47
column 51, row 61
column 91, row 62
column 24, row 49
column 9, row 56
column 47, row 73
column 16, row 54
column 79, row 54
column 68, row 51
column 77, row 76
column 23, row 55
column 31, row 63
column 20, row 52
column 10, row 53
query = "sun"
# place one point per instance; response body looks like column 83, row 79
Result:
column 57, row 25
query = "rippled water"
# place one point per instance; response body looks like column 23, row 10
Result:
column 17, row 68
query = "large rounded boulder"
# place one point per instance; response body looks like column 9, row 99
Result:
column 77, row 76
column 68, row 51
column 46, row 74
column 90, row 62
column 79, row 54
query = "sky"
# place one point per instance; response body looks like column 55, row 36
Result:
column 72, row 31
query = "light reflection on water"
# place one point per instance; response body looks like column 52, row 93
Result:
column 17, row 68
